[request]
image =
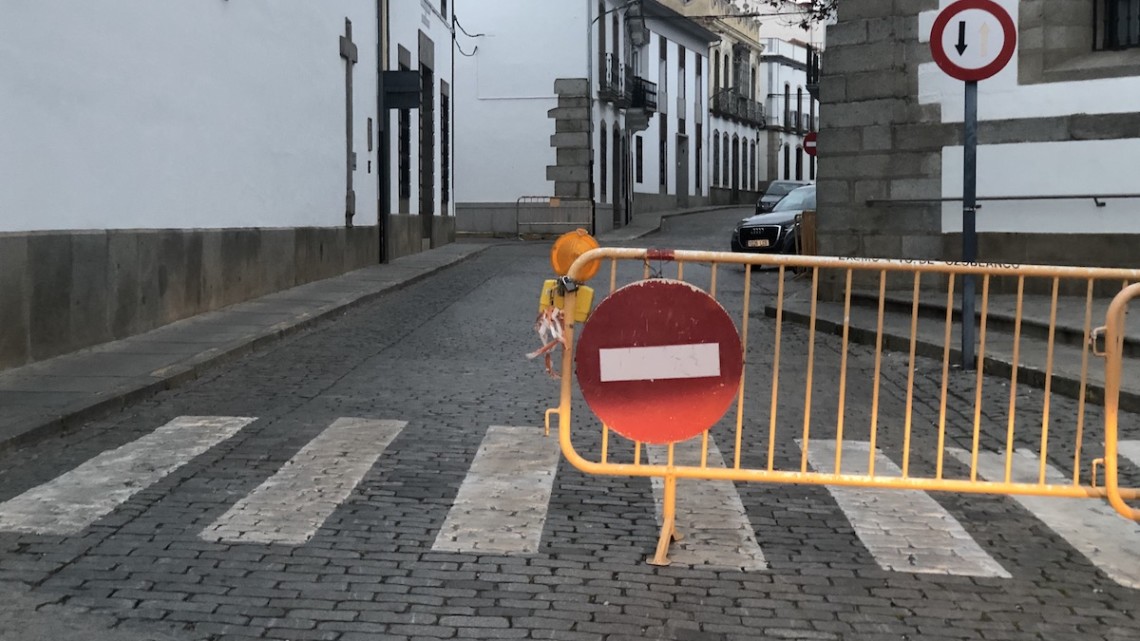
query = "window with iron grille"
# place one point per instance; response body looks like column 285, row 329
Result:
column 639, row 153
column 715, row 158
column 1117, row 24
column 664, row 145
column 404, row 151
column 700, row 152
column 603, row 167
column 445, row 147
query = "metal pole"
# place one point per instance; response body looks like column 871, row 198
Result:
column 969, row 211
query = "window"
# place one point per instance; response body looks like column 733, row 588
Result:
column 715, row 158
column 751, row 165
column 799, row 163
column 443, row 7
column 664, row 155
column 603, row 168
column 787, row 161
column 1120, row 23
column 445, row 145
column 716, row 74
column 427, row 140
column 639, row 159
column 799, row 109
column 811, row 168
column 725, row 152
column 700, row 152
column 681, row 77
column 787, row 107
column 404, row 151
column 735, row 162
column 601, row 42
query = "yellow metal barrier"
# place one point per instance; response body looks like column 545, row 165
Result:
column 917, row 473
column 1114, row 346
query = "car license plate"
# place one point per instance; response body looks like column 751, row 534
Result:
column 763, row 242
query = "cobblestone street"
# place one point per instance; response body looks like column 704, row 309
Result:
column 359, row 437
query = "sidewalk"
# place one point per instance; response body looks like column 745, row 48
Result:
column 45, row 398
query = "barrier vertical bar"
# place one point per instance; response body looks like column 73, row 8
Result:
column 1048, row 382
column 776, row 371
column 743, row 368
column 978, row 383
column 810, row 367
column 945, row 376
column 909, row 418
column 1013, row 381
column 878, row 370
column 843, row 376
column 1084, row 387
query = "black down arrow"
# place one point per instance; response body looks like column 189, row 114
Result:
column 961, row 46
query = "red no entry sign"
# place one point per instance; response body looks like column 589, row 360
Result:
column 973, row 39
column 659, row 361
column 809, row 143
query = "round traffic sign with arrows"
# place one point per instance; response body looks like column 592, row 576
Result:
column 973, row 39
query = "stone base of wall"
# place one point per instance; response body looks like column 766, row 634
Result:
column 723, row 196
column 650, row 202
column 406, row 234
column 63, row 291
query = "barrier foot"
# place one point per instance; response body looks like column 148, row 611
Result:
column 553, row 410
column 669, row 532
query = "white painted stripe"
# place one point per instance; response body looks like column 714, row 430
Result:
column 293, row 504
column 1129, row 450
column 710, row 515
column 905, row 530
column 1094, row 529
column 659, row 363
column 502, row 503
column 76, row 499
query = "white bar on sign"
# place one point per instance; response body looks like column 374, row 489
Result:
column 659, row 363
column 76, row 499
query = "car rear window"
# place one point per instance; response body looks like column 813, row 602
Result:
column 779, row 189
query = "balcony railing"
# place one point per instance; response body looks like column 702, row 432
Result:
column 612, row 84
column 643, row 94
column 731, row 104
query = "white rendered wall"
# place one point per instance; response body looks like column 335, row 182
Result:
column 1055, row 168
column 406, row 20
column 207, row 114
column 504, row 91
column 1001, row 97
column 1060, row 168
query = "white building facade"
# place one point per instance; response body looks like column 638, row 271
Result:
column 1057, row 127
column 792, row 112
column 161, row 160
column 603, row 115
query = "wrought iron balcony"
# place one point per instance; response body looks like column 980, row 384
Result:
column 731, row 104
column 643, row 94
column 612, row 85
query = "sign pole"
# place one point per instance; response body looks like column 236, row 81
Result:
column 969, row 218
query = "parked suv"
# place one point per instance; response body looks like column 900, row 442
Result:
column 776, row 190
column 774, row 231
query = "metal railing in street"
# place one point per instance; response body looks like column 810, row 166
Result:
column 959, row 449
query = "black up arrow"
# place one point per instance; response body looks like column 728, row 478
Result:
column 961, row 46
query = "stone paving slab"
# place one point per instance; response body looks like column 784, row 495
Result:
column 44, row 398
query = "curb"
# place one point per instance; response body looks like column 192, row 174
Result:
column 179, row 375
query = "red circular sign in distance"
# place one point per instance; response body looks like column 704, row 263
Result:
column 659, row 361
column 966, row 74
column 810, row 142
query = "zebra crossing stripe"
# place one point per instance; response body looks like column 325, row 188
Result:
column 502, row 503
column 906, row 531
column 1129, row 450
column 293, row 504
column 710, row 514
column 76, row 499
column 1094, row 529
